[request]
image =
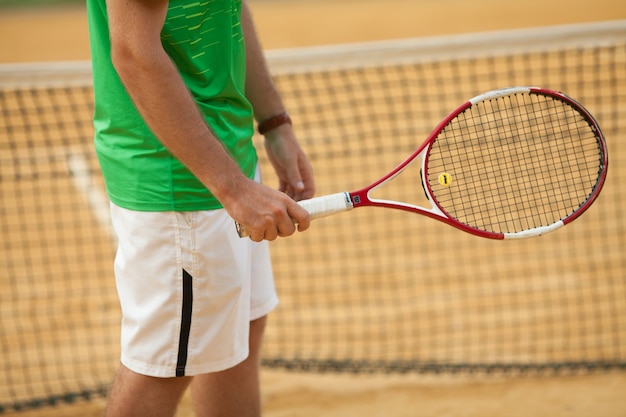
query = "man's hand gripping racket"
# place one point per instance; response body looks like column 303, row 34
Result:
column 511, row 163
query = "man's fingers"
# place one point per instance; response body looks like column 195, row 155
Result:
column 281, row 222
column 299, row 216
column 275, row 215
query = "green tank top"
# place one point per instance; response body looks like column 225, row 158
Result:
column 205, row 41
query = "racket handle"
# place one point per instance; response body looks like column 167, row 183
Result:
column 317, row 208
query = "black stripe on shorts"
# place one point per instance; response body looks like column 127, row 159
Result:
column 185, row 325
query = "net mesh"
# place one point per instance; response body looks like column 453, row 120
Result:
column 372, row 290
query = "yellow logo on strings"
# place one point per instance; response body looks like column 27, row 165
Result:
column 445, row 179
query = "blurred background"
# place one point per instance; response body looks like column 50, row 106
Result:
column 376, row 320
column 297, row 23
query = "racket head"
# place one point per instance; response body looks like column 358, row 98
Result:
column 514, row 163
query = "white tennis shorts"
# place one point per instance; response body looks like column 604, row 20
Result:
column 188, row 287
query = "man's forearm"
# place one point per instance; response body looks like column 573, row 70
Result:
column 260, row 88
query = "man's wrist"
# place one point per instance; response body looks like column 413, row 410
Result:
column 274, row 122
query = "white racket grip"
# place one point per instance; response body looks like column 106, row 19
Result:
column 317, row 208
column 326, row 205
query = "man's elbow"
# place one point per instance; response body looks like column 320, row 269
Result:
column 124, row 57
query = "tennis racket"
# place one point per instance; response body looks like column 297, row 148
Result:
column 510, row 163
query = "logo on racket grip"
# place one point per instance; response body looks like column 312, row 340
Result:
column 445, row 179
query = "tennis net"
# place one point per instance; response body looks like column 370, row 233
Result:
column 369, row 291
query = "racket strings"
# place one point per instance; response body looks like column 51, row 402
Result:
column 516, row 162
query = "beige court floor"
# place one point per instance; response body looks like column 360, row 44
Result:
column 61, row 34
column 51, row 34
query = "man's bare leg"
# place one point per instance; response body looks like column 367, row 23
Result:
column 137, row 395
column 235, row 391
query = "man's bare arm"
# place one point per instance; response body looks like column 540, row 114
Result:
column 290, row 163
